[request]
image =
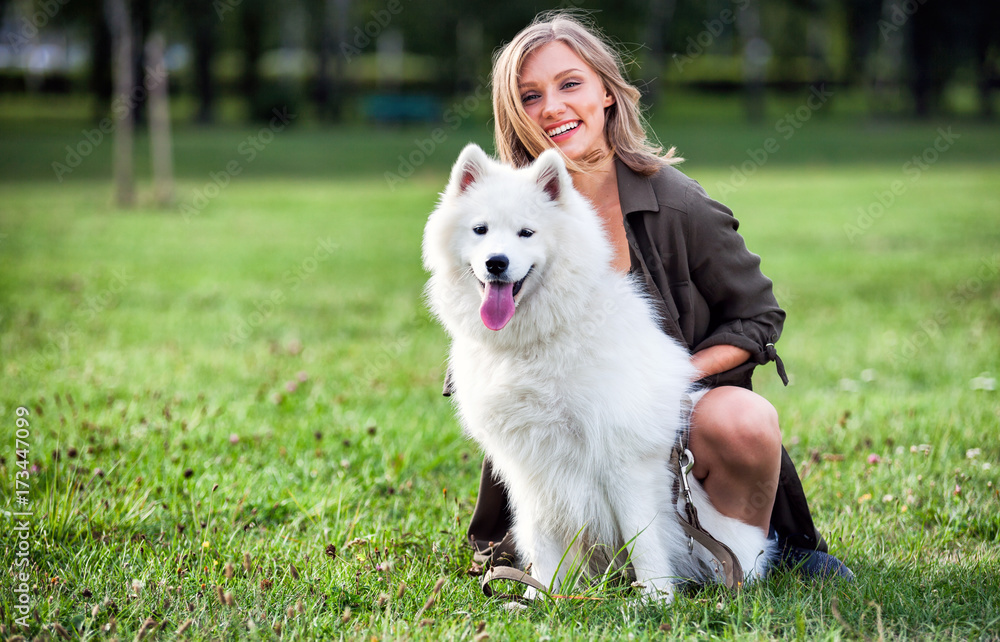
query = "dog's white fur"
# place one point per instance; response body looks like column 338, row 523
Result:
column 577, row 400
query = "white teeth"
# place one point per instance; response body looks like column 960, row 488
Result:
column 562, row 129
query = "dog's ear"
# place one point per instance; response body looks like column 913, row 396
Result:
column 551, row 174
column 472, row 165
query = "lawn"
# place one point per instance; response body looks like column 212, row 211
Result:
column 233, row 427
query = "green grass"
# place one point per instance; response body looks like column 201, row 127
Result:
column 208, row 390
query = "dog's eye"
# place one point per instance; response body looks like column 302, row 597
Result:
column 480, row 229
column 525, row 233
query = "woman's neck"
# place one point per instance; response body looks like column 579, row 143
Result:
column 600, row 186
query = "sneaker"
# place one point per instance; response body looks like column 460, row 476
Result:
column 813, row 564
column 809, row 563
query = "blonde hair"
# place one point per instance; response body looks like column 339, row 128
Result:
column 519, row 139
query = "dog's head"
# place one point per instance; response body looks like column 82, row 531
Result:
column 499, row 235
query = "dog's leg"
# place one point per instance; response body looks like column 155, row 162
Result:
column 545, row 565
column 644, row 520
column 648, row 554
column 544, row 554
column 754, row 551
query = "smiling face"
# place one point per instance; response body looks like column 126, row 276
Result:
column 566, row 98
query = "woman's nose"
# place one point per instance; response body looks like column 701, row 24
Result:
column 552, row 106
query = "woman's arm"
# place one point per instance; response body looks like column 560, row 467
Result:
column 744, row 312
column 716, row 359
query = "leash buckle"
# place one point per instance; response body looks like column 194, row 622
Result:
column 686, row 464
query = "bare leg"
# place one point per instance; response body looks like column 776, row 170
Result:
column 736, row 443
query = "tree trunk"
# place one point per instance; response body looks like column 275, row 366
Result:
column 121, row 37
column 661, row 13
column 159, row 121
column 204, row 50
column 253, row 42
column 756, row 53
column 324, row 47
column 100, row 80
column 329, row 91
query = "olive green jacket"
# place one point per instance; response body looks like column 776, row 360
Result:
column 707, row 284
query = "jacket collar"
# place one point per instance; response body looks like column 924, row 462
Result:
column 635, row 192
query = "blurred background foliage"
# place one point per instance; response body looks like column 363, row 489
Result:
column 399, row 61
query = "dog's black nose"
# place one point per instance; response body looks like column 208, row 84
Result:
column 497, row 264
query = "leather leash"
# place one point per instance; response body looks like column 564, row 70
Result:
column 682, row 461
column 511, row 574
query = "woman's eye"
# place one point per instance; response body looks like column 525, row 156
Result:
column 570, row 84
column 480, row 229
column 529, row 97
column 525, row 233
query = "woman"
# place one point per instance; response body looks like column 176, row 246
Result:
column 557, row 84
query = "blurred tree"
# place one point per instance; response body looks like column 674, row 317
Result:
column 252, row 23
column 281, row 30
column 658, row 23
column 756, row 54
column 987, row 55
column 932, row 29
column 159, row 120
column 330, row 31
column 99, row 80
column 120, row 25
column 896, row 48
column 861, row 19
column 141, row 12
column 203, row 23
column 944, row 37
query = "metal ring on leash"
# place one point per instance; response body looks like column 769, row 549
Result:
column 686, row 463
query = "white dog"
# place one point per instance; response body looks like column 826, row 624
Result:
column 565, row 379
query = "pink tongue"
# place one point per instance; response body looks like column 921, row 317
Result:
column 498, row 305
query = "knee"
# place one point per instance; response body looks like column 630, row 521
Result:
column 754, row 431
column 738, row 430
column 741, row 428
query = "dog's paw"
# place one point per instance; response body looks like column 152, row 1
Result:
column 513, row 607
column 531, row 593
column 655, row 592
